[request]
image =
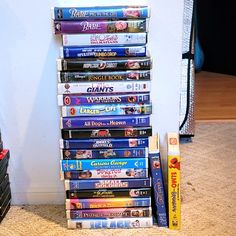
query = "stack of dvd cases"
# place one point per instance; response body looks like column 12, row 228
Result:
column 5, row 191
column 104, row 94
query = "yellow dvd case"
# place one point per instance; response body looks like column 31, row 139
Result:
column 174, row 204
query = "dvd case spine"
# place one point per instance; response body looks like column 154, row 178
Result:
column 105, row 122
column 157, row 181
column 94, row 52
column 107, row 183
column 109, row 213
column 73, row 100
column 130, row 173
column 174, row 181
column 123, row 163
column 107, row 39
column 104, row 143
column 106, row 110
column 130, row 75
column 135, row 132
column 104, row 87
column 91, row 203
column 101, row 26
column 124, row 223
column 104, row 64
column 73, row 154
column 84, row 13
column 113, row 193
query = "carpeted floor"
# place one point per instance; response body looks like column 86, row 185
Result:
column 208, row 194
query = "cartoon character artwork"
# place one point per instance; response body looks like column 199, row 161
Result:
column 131, row 13
column 133, row 142
column 174, row 163
column 129, row 110
column 156, row 164
column 81, row 154
column 132, row 64
column 127, row 153
column 134, row 193
column 76, row 205
column 136, row 224
column 133, row 76
column 85, row 174
column 100, row 133
column 132, row 99
column 109, row 153
column 130, row 132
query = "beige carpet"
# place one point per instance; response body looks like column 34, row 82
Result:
column 208, row 194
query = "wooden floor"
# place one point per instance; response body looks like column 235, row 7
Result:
column 215, row 96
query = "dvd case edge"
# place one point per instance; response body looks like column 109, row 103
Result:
column 63, row 111
column 67, row 184
column 61, row 141
column 59, row 64
column 61, row 52
column 60, row 100
column 53, row 13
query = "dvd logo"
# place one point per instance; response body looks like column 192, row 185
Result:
column 67, row 100
column 72, row 111
column 102, row 65
column 67, row 86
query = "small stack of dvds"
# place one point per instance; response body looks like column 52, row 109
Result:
column 104, row 93
column 5, row 191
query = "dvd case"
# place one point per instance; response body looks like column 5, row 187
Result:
column 94, row 52
column 157, row 181
column 91, row 203
column 103, row 143
column 101, row 26
column 104, row 87
column 124, row 223
column 105, row 122
column 107, row 183
column 103, row 12
column 130, row 173
column 114, row 223
column 104, row 64
column 132, row 75
column 70, row 154
column 174, row 199
column 94, row 164
column 73, row 100
column 109, row 213
column 112, row 193
column 106, row 110
column 135, row 132
column 108, row 39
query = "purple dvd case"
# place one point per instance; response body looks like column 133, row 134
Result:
column 100, row 26
column 105, row 121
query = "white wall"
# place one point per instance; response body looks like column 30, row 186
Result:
column 29, row 116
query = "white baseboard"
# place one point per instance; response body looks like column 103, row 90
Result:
column 32, row 198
